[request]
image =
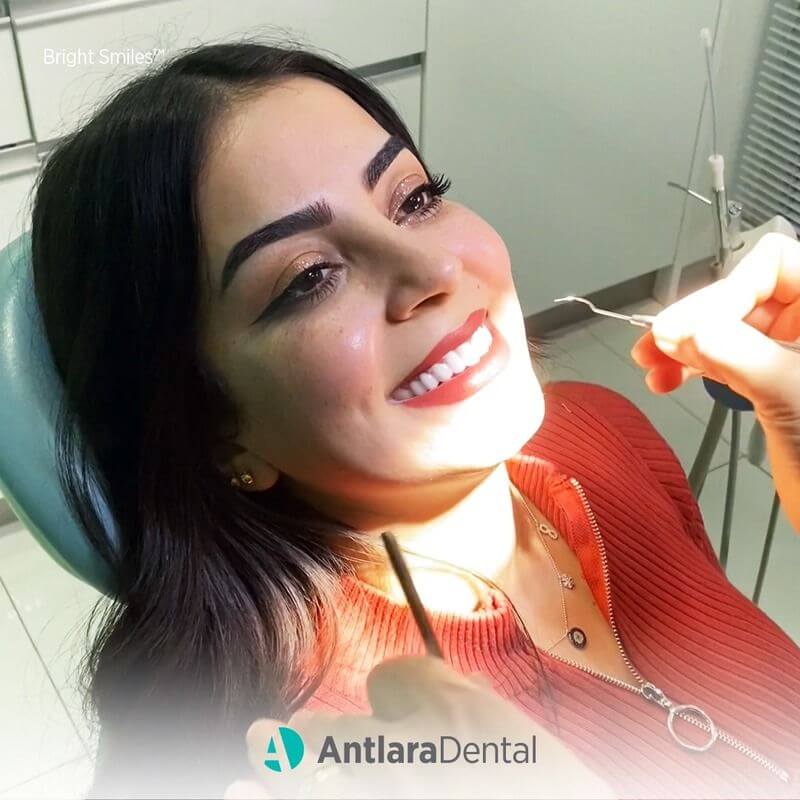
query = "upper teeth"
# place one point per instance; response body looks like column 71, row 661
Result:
column 452, row 363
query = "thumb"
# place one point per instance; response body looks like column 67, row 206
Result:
column 732, row 352
column 401, row 685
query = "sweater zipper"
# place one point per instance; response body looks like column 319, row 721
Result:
column 645, row 689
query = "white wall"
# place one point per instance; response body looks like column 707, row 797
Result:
column 561, row 123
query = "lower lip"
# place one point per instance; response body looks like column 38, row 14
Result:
column 466, row 383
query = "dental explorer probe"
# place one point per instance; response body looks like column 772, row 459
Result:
column 646, row 320
column 409, row 590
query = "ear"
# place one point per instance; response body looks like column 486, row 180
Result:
column 231, row 459
column 225, row 454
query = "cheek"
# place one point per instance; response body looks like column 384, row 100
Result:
column 482, row 249
column 333, row 367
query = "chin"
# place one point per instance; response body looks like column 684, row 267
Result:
column 527, row 407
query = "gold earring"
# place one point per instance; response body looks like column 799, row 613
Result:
column 243, row 478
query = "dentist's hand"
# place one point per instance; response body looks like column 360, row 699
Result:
column 724, row 331
column 419, row 698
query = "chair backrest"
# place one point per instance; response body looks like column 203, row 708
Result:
column 30, row 390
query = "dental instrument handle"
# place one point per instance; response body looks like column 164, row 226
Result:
column 409, row 590
column 646, row 321
column 642, row 320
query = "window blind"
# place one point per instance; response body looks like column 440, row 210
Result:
column 768, row 172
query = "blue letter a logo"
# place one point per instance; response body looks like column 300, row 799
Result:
column 292, row 745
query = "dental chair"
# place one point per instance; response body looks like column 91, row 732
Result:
column 30, row 390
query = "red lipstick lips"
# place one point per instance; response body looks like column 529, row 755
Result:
column 450, row 342
column 468, row 382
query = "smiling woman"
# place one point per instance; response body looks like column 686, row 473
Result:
column 236, row 259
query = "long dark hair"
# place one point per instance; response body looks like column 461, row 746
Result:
column 223, row 606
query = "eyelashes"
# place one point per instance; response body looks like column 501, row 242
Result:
column 294, row 296
column 437, row 186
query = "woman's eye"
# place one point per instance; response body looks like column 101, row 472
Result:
column 415, row 206
column 415, row 199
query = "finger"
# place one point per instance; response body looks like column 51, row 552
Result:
column 770, row 317
column 399, row 686
column 668, row 377
column 734, row 353
column 246, row 790
column 481, row 680
column 770, row 269
column 786, row 322
column 646, row 352
column 769, row 275
column 765, row 316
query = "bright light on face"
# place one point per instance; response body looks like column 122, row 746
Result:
column 312, row 379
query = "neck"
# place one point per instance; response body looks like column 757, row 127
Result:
column 479, row 533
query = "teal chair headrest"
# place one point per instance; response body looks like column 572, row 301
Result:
column 30, row 391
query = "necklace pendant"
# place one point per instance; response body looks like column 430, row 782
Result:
column 567, row 581
column 577, row 637
column 545, row 529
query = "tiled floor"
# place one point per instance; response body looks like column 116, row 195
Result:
column 46, row 747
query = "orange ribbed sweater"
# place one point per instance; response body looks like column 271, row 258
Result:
column 685, row 627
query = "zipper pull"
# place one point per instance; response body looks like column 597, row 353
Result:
column 652, row 693
column 698, row 717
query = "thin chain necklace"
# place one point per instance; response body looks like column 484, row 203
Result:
column 576, row 636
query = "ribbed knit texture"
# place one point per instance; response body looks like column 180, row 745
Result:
column 685, row 627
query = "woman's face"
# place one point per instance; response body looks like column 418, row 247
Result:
column 313, row 375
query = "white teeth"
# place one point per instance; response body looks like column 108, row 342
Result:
column 428, row 381
column 468, row 354
column 482, row 340
column 441, row 372
column 454, row 362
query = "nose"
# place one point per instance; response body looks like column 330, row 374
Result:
column 420, row 274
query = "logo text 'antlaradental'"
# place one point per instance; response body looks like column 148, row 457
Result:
column 445, row 750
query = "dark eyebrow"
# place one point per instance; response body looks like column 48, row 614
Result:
column 314, row 215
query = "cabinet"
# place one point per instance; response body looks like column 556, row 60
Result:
column 14, row 126
column 74, row 53
column 18, row 162
column 403, row 89
column 18, row 169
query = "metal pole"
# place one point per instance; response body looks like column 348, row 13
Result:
column 762, row 567
column 730, row 492
column 702, row 461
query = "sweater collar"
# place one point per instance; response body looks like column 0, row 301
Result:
column 374, row 627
